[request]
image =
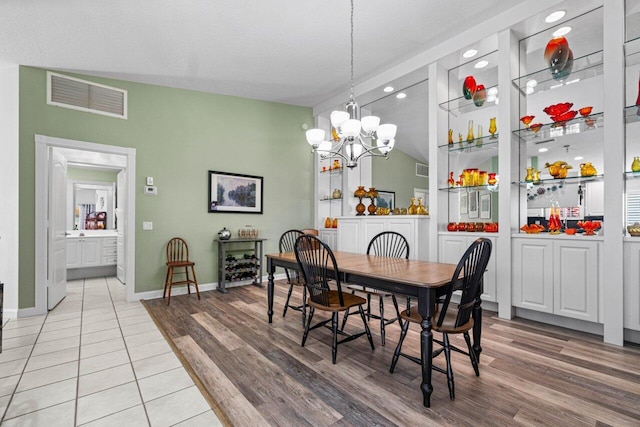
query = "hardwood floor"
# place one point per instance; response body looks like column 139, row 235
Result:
column 258, row 374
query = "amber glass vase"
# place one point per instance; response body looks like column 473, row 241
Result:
column 360, row 193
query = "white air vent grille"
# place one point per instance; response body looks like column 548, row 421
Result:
column 69, row 92
column 422, row 170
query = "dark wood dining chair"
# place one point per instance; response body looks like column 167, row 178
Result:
column 319, row 268
column 178, row 258
column 389, row 244
column 468, row 279
column 286, row 244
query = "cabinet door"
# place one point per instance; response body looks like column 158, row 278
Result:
column 490, row 277
column 348, row 232
column 594, row 199
column 74, row 256
column 532, row 274
column 576, row 279
column 406, row 227
column 632, row 286
column 371, row 228
column 329, row 237
column 451, row 248
column 91, row 252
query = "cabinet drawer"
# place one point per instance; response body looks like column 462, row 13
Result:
column 109, row 242
column 111, row 250
column 109, row 260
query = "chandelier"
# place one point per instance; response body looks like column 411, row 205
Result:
column 353, row 138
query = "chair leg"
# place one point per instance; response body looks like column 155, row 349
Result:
column 195, row 281
column 472, row 354
column 306, row 328
column 186, row 273
column 170, row 285
column 366, row 327
column 286, row 304
column 395, row 304
column 382, row 319
column 334, row 329
column 396, row 354
column 166, row 282
column 447, row 355
column 304, row 304
column 344, row 319
column 368, row 307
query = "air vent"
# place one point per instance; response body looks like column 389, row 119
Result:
column 69, row 92
column 422, row 170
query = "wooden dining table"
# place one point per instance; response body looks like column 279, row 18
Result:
column 421, row 280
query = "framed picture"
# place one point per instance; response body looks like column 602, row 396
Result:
column 232, row 192
column 464, row 203
column 386, row 199
column 485, row 206
column 473, row 204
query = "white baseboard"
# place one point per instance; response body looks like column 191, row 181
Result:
column 9, row 313
column 201, row 287
column 27, row 312
column 564, row 322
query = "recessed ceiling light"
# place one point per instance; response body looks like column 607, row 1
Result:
column 543, row 150
column 529, row 90
column 563, row 31
column 388, row 89
column 481, row 64
column 492, row 91
column 555, row 16
column 532, row 83
column 401, row 95
column 470, row 53
column 578, row 158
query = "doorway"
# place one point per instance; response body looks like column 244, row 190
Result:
column 87, row 153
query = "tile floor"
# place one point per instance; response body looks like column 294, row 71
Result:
column 95, row 360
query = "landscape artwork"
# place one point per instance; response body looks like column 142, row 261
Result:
column 229, row 192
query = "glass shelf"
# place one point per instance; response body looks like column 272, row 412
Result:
column 549, row 131
column 631, row 175
column 332, row 171
column 474, row 145
column 470, row 188
column 330, row 199
column 632, row 114
column 567, row 180
column 585, row 67
column 462, row 105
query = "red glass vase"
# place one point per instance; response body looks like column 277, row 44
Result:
column 479, row 96
column 469, row 87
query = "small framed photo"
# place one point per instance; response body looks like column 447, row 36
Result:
column 386, row 199
column 235, row 193
column 485, row 206
column 464, row 203
column 473, row 204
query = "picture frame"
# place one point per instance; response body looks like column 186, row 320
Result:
column 473, row 204
column 386, row 199
column 485, row 206
column 235, row 193
column 464, row 203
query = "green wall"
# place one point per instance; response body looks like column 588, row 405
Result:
column 178, row 135
column 83, row 174
column 398, row 173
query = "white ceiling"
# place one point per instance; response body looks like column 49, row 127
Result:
column 290, row 51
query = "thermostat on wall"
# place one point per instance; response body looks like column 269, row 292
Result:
column 150, row 191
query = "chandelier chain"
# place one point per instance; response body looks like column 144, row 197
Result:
column 351, row 94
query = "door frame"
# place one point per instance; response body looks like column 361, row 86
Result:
column 43, row 143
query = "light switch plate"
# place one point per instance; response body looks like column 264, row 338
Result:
column 149, row 180
column 147, row 225
column 150, row 191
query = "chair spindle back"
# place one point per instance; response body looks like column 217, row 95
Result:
column 389, row 244
column 473, row 265
column 177, row 250
column 287, row 244
column 318, row 266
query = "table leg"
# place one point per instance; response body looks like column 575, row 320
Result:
column 270, row 270
column 425, row 306
column 477, row 327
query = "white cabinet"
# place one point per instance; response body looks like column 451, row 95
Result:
column 632, row 285
column 91, row 251
column 451, row 247
column 355, row 233
column 328, row 236
column 557, row 276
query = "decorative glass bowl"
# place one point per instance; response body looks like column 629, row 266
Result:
column 589, row 227
column 557, row 109
column 585, row 111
